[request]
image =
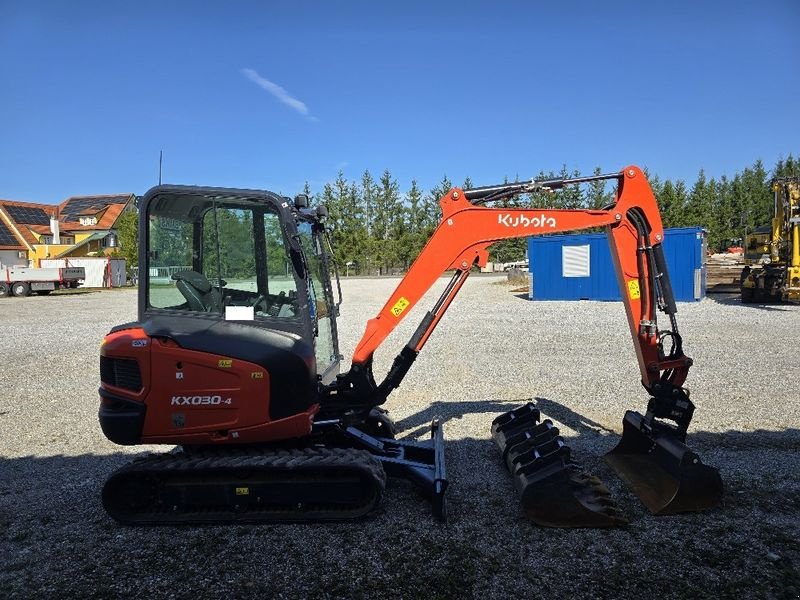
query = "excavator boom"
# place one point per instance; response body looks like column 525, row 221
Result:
column 652, row 457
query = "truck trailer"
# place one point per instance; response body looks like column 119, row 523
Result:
column 22, row 281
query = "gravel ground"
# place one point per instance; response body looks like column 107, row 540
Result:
column 493, row 350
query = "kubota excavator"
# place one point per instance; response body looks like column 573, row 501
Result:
column 235, row 359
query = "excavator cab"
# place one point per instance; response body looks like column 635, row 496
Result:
column 236, row 326
column 250, row 257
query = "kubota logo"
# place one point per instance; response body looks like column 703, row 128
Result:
column 522, row 221
column 199, row 401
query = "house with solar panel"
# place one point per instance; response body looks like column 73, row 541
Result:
column 80, row 226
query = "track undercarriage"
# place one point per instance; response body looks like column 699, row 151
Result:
column 262, row 485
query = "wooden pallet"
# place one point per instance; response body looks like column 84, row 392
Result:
column 722, row 274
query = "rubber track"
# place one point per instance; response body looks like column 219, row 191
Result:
column 233, row 468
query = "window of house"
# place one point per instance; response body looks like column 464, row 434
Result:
column 64, row 240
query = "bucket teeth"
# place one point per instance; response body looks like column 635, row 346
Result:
column 554, row 490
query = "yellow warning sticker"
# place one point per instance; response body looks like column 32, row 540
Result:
column 242, row 491
column 225, row 363
column 633, row 290
column 257, row 375
column 400, row 306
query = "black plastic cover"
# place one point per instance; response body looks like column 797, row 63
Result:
column 287, row 357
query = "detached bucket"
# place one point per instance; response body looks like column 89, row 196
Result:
column 662, row 471
column 555, row 491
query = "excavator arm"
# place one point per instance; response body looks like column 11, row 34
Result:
column 652, row 456
column 462, row 239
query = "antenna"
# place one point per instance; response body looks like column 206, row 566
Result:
column 160, row 163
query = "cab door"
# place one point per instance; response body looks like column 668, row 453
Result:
column 321, row 306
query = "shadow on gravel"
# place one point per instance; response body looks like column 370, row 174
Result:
column 570, row 418
column 419, row 422
column 75, row 293
column 734, row 300
column 447, row 411
column 760, row 469
column 760, row 439
column 56, row 540
column 417, row 425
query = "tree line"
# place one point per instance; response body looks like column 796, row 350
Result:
column 379, row 229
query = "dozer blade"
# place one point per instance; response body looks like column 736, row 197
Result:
column 554, row 490
column 661, row 470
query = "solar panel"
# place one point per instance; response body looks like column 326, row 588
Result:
column 28, row 215
column 73, row 208
column 6, row 237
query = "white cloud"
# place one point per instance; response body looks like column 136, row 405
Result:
column 279, row 93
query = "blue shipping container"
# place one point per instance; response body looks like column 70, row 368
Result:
column 579, row 267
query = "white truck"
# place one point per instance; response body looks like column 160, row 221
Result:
column 21, row 281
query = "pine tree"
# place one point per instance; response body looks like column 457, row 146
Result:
column 128, row 236
column 657, row 187
column 388, row 223
column 787, row 168
column 681, row 204
column 726, row 217
column 671, row 201
column 335, row 218
column 368, row 193
column 757, row 195
column 413, row 238
column 432, row 211
column 344, row 218
column 570, row 196
column 597, row 196
column 358, row 239
column 693, row 209
column 542, row 199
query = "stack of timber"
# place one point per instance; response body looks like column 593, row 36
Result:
column 723, row 271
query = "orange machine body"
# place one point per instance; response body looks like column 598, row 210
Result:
column 193, row 397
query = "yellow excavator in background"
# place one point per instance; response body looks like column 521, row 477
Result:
column 772, row 255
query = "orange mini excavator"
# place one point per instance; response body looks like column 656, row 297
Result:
column 235, row 359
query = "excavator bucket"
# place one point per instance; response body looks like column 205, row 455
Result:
column 555, row 491
column 661, row 469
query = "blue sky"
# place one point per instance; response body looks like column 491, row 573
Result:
column 271, row 94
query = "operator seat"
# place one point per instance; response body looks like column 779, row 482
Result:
column 198, row 291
